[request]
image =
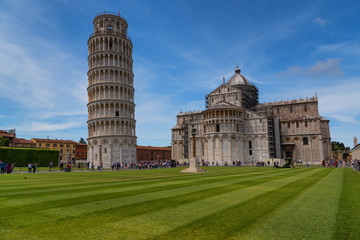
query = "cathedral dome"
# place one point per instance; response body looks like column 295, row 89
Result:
column 238, row 78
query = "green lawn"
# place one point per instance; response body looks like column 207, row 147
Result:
column 223, row 203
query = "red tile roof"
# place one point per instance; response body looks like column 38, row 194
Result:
column 53, row 141
column 81, row 144
column 154, row 148
column 23, row 141
column 6, row 134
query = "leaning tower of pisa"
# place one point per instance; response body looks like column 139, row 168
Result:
column 111, row 122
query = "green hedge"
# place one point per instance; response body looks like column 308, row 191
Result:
column 22, row 156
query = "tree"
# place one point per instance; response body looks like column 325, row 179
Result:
column 4, row 142
column 336, row 146
column 82, row 141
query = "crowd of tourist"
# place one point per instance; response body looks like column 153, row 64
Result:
column 67, row 166
column 333, row 164
column 144, row 165
column 216, row 163
column 6, row 167
column 356, row 162
column 32, row 167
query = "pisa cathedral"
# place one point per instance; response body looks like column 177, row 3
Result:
column 111, row 108
column 235, row 127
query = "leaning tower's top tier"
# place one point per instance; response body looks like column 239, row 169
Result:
column 110, row 23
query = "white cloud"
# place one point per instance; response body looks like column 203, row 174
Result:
column 329, row 67
column 347, row 48
column 320, row 21
column 36, row 126
column 37, row 76
column 339, row 101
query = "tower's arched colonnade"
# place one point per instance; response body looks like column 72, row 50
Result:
column 111, row 108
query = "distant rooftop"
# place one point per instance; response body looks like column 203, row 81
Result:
column 287, row 102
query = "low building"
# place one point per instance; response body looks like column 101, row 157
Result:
column 23, row 143
column 9, row 134
column 148, row 153
column 81, row 151
column 66, row 147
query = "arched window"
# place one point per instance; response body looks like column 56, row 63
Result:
column 217, row 127
column 305, row 141
column 250, row 145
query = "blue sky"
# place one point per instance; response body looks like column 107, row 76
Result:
column 182, row 49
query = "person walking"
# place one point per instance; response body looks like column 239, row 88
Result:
column 34, row 167
column 2, row 166
column 8, row 168
column 29, row 167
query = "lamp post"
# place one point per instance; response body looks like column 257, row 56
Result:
column 194, row 165
column 193, row 134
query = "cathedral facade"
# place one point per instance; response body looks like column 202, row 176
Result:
column 235, row 127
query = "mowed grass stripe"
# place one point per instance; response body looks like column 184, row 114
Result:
column 29, row 191
column 348, row 217
column 139, row 204
column 163, row 220
column 227, row 222
column 81, row 195
column 28, row 188
column 311, row 215
column 77, row 208
column 44, row 180
column 30, row 214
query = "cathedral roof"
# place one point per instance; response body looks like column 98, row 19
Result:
column 238, row 78
column 177, row 126
column 300, row 117
column 287, row 102
column 223, row 104
column 189, row 113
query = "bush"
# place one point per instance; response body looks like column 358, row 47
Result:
column 4, row 142
column 22, row 156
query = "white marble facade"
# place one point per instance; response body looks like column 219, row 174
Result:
column 235, row 127
column 111, row 108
